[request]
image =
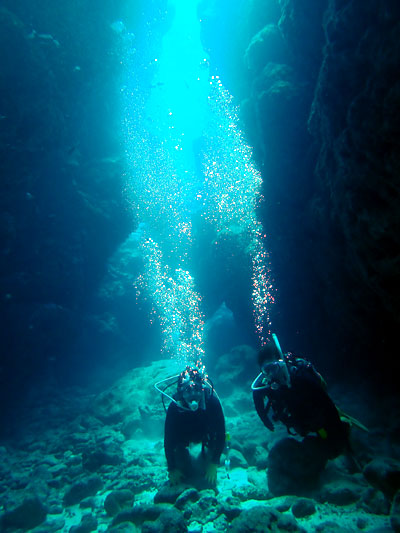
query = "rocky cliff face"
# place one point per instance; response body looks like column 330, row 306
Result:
column 353, row 208
column 61, row 207
column 354, row 121
column 321, row 106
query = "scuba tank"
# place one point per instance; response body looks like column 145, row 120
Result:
column 283, row 364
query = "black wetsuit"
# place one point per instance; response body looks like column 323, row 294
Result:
column 304, row 407
column 185, row 427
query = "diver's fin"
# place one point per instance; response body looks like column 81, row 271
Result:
column 351, row 420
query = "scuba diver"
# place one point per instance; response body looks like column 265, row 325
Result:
column 296, row 393
column 194, row 416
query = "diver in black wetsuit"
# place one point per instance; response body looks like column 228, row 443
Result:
column 194, row 416
column 296, row 394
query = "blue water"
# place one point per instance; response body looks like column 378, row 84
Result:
column 176, row 191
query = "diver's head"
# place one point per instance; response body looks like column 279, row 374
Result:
column 191, row 388
column 275, row 373
column 268, row 354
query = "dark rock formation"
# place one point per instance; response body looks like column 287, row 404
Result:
column 354, row 119
column 395, row 514
column 28, row 515
column 82, row 489
column 88, row 523
column 62, row 207
column 293, row 467
column 321, row 110
column 118, row 500
column 303, row 507
column 261, row 519
column 384, row 474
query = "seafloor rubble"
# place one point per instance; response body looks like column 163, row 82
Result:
column 96, row 462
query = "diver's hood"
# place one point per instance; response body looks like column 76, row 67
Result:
column 197, row 400
column 275, row 373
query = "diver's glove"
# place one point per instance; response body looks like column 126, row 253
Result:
column 175, row 476
column 211, row 473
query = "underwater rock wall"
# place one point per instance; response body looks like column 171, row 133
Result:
column 61, row 207
column 321, row 107
column 354, row 120
column 281, row 62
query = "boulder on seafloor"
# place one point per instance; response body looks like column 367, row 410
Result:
column 82, row 489
column 342, row 492
column 170, row 521
column 168, row 493
column 395, row 513
column 384, row 474
column 205, row 508
column 29, row 514
column 124, row 527
column 293, row 468
column 95, row 459
column 375, row 502
column 118, row 500
column 140, row 514
column 229, row 506
column 263, row 519
column 251, row 492
column 189, row 495
column 87, row 524
column 303, row 507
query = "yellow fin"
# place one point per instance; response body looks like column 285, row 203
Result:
column 344, row 417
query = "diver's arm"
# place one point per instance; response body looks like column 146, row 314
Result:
column 216, row 429
column 170, row 433
column 258, row 398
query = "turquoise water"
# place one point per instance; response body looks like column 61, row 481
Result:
column 177, row 189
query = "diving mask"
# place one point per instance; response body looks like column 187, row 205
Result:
column 193, row 395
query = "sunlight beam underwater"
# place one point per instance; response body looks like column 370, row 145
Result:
column 163, row 184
